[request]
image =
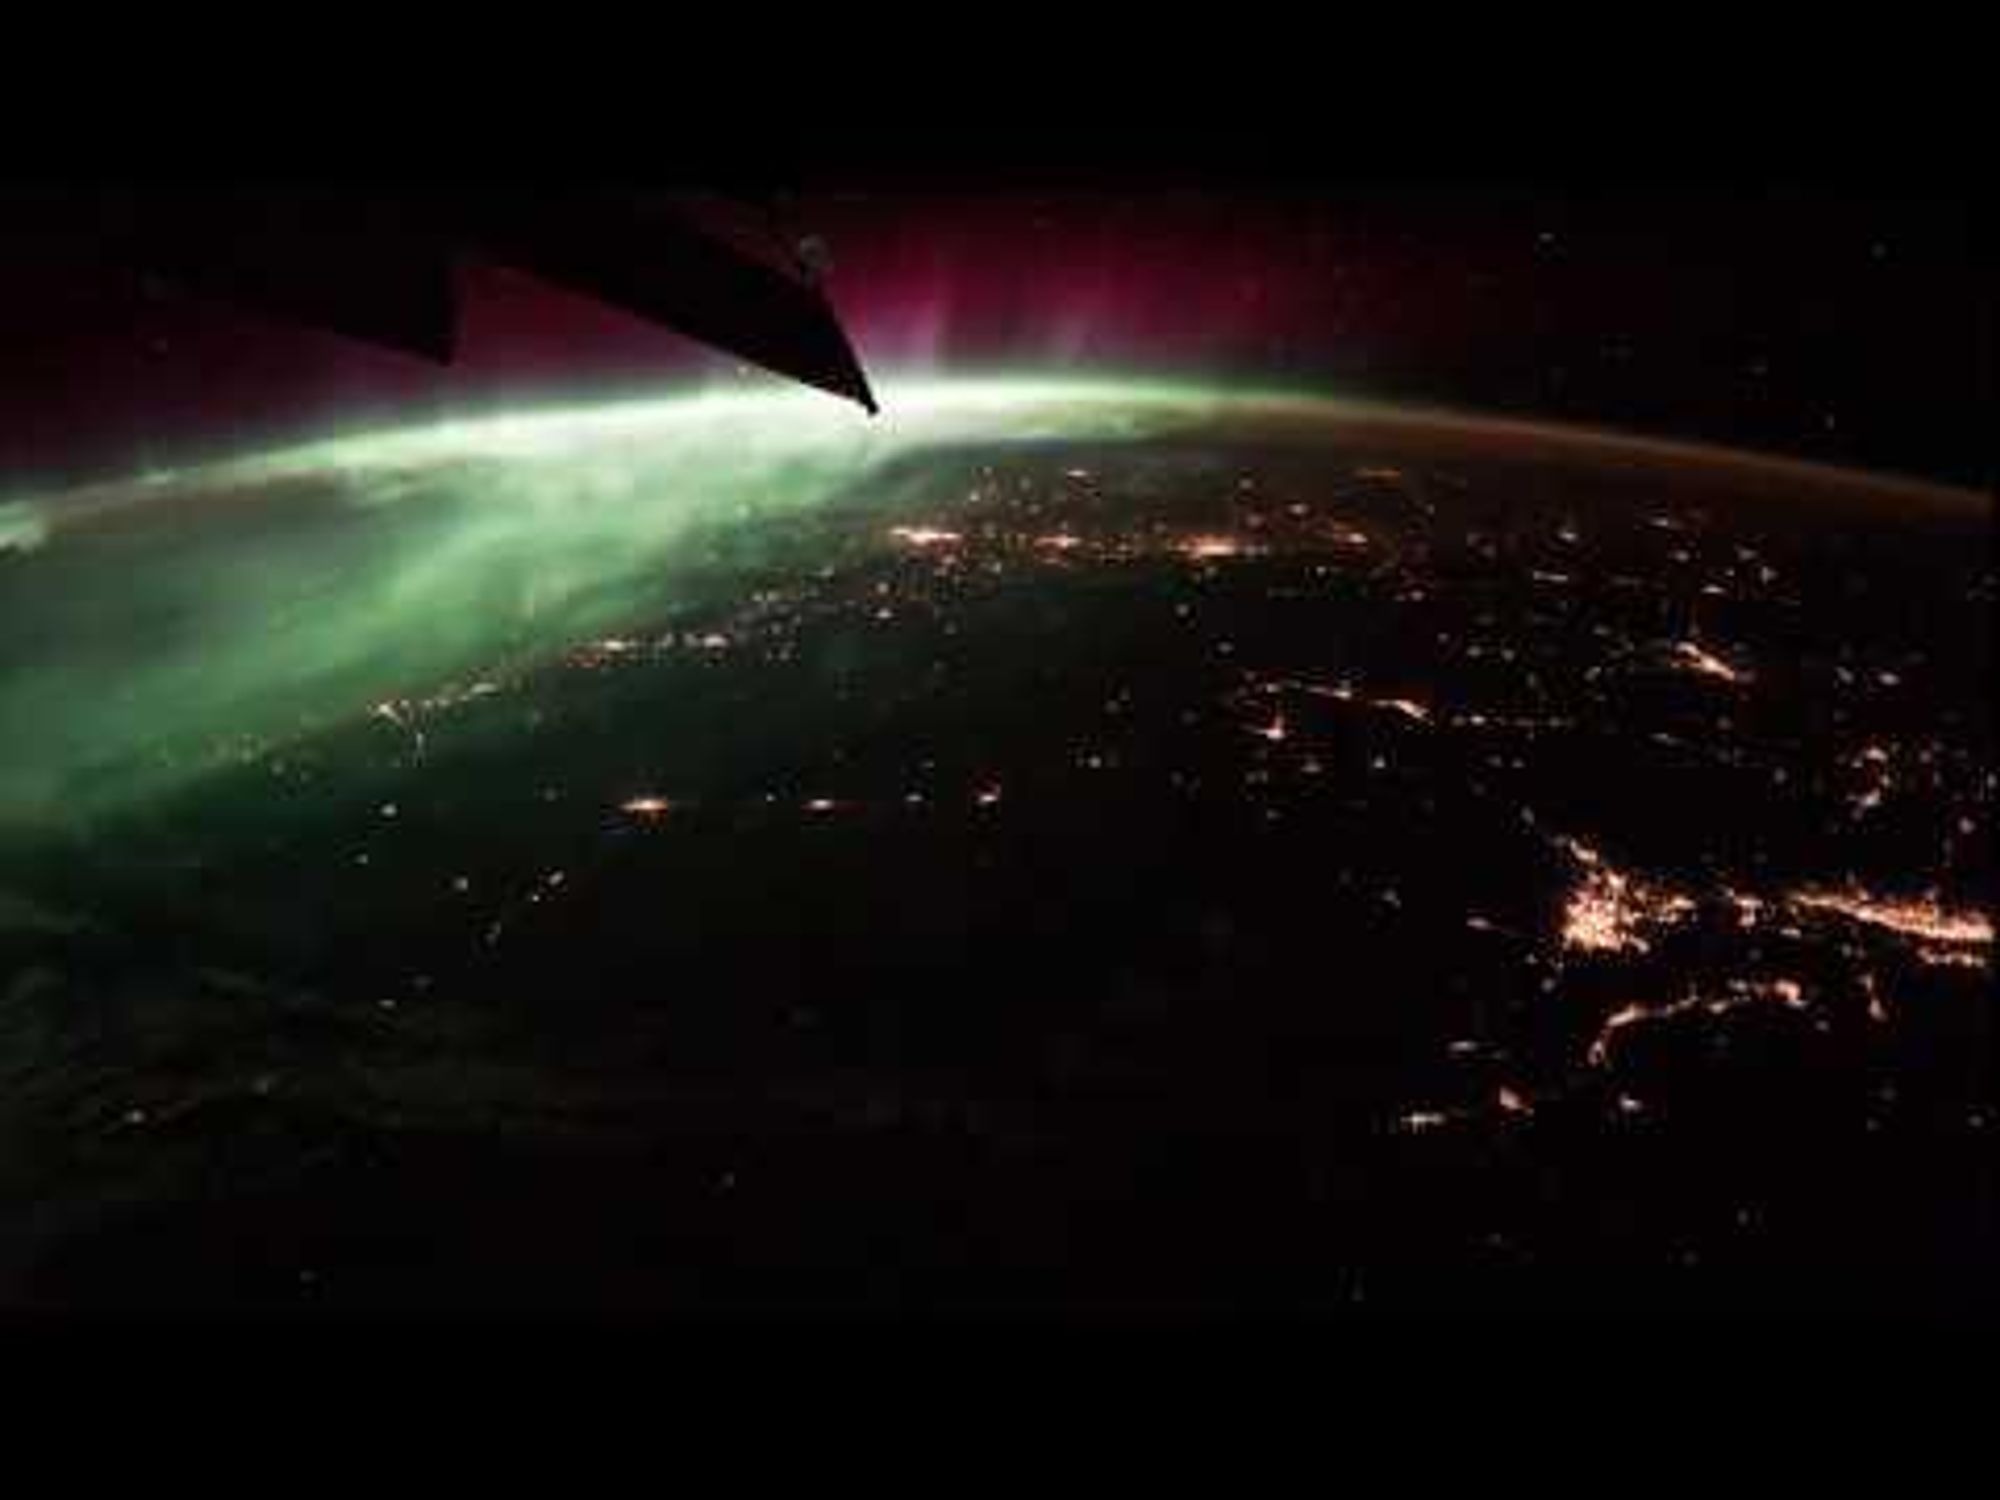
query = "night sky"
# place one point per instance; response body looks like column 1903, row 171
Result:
column 1852, row 328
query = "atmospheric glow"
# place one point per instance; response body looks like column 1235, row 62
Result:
column 368, row 574
column 377, row 573
column 23, row 528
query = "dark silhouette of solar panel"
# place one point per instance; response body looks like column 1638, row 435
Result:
column 377, row 265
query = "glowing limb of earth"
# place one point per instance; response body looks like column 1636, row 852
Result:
column 153, row 628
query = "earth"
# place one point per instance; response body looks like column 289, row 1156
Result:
column 1058, row 846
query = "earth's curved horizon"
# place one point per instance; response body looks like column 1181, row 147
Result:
column 1471, row 851
column 921, row 395
column 722, row 455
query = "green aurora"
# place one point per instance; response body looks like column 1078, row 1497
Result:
column 161, row 626
column 155, row 628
